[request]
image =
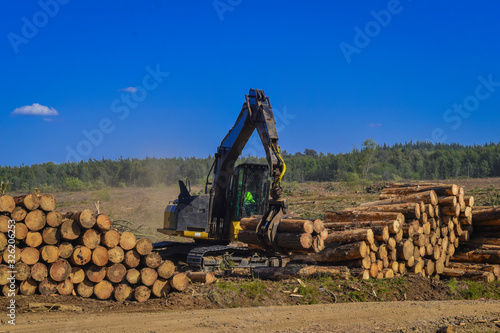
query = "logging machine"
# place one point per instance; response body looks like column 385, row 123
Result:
column 232, row 191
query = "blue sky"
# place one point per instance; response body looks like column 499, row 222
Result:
column 93, row 79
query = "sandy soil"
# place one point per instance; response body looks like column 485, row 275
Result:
column 463, row 316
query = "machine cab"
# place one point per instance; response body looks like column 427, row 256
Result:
column 249, row 190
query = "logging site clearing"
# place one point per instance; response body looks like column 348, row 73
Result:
column 430, row 284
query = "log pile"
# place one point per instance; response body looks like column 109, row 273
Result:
column 411, row 228
column 78, row 253
column 293, row 234
column 479, row 254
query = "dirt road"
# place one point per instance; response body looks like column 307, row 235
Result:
column 358, row 317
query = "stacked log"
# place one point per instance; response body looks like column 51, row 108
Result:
column 78, row 253
column 479, row 254
column 294, row 235
column 411, row 228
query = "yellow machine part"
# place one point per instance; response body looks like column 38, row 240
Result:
column 235, row 229
column 196, row 234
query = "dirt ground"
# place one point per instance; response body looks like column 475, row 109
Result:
column 434, row 316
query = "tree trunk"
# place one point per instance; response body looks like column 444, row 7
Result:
column 91, row 238
column 35, row 220
column 144, row 246
column 21, row 231
column 148, row 276
column 291, row 241
column 152, row 260
column 65, row 287
column 357, row 216
column 200, row 277
column 60, row 270
column 23, row 271
column 394, row 225
column 33, row 239
column 116, row 255
column 477, row 256
column 28, row 201
column 132, row 259
column 51, row 236
column 47, row 287
column 54, row 219
column 111, row 238
column 85, row 289
column 142, row 294
column 95, row 273
column 65, row 250
column 350, row 236
column 161, row 288
column 428, row 197
column 70, row 230
column 127, row 240
column 7, row 203
column 179, row 282
column 480, row 214
column 116, row 273
column 103, row 222
column 30, row 255
column 49, row 253
column 123, row 292
column 133, row 276
column 85, row 218
column 18, row 214
column 410, row 210
column 81, row 255
column 77, row 275
column 28, row 287
column 405, row 250
column 39, row 272
column 166, row 269
column 341, row 253
column 47, row 202
column 103, row 290
column 447, row 201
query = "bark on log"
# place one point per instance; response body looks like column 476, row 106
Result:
column 350, row 236
column 447, row 201
column 77, row 275
column 477, row 256
column 428, row 197
column 299, row 242
column 410, row 210
column 28, row 201
column 200, row 277
column 441, row 189
column 357, row 216
column 28, row 287
column 480, row 215
column 451, row 210
column 394, row 225
column 381, row 233
column 341, row 253
column 405, row 250
column 469, row 274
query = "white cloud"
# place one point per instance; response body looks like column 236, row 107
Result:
column 375, row 125
column 36, row 110
column 130, row 89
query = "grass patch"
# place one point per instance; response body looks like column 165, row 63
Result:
column 101, row 195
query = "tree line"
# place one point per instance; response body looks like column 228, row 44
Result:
column 370, row 163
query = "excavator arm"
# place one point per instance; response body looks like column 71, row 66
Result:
column 256, row 114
